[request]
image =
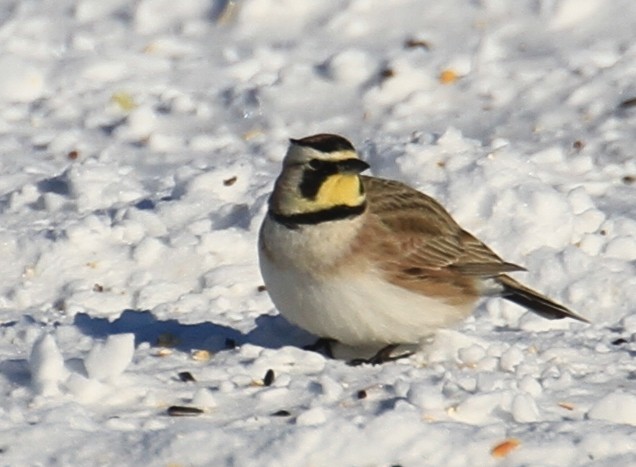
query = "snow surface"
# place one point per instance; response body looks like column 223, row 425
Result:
column 138, row 143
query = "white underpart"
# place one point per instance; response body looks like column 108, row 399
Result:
column 357, row 310
column 356, row 307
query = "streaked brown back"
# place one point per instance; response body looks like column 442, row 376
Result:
column 418, row 245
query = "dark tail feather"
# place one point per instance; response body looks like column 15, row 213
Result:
column 534, row 301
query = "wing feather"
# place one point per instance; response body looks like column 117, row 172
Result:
column 424, row 235
column 415, row 242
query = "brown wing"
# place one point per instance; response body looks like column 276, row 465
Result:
column 420, row 247
column 425, row 239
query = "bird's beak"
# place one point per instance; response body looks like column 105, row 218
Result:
column 352, row 166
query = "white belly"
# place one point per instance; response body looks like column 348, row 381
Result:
column 359, row 309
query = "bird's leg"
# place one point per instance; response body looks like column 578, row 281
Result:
column 323, row 345
column 382, row 356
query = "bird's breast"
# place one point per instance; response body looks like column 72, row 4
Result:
column 318, row 248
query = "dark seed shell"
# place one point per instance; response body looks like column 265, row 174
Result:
column 269, row 377
column 182, row 411
column 186, row 377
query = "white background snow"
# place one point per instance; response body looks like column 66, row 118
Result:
column 138, row 143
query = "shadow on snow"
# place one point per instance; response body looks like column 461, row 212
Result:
column 271, row 331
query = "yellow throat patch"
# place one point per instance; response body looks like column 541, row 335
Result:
column 340, row 189
column 335, row 190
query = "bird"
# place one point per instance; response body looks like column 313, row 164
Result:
column 370, row 262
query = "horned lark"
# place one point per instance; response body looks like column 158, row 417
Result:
column 372, row 262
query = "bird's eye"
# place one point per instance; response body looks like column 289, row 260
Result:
column 316, row 164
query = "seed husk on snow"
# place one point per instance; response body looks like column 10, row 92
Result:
column 578, row 145
column 504, row 448
column 183, row 411
column 629, row 179
column 566, row 405
column 620, row 341
column 269, row 377
column 417, row 43
column 628, row 103
column 230, row 181
column 186, row 377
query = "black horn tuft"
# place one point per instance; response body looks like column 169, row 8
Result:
column 325, row 143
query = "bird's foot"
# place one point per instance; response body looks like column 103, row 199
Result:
column 322, row 345
column 385, row 354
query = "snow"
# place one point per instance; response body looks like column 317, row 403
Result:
column 46, row 365
column 138, row 144
column 617, row 407
column 110, row 359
